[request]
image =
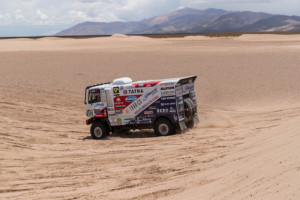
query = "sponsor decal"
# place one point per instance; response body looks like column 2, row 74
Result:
column 168, row 93
column 118, row 100
column 167, row 88
column 186, row 88
column 148, row 112
column 130, row 98
column 119, row 112
column 132, row 122
column 120, row 106
column 110, row 109
column 100, row 113
column 168, row 84
column 119, row 121
column 192, row 88
column 178, row 91
column 162, row 110
column 97, row 111
column 168, row 104
column 146, row 105
column 98, row 105
column 150, row 94
column 152, row 108
column 129, row 119
column 121, row 87
column 169, row 98
column 143, row 119
column 135, row 104
column 180, row 106
column 124, row 101
column 113, row 121
column 181, row 116
column 116, row 90
column 172, row 110
column 166, row 110
column 175, row 117
column 133, row 91
column 193, row 96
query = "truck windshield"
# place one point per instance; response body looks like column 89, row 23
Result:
column 94, row 96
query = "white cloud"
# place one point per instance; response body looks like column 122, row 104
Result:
column 41, row 15
column 75, row 11
column 70, row 12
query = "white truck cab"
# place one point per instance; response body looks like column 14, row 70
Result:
column 164, row 105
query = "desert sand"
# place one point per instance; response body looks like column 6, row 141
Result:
column 247, row 145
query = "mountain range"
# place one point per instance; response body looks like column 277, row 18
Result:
column 188, row 20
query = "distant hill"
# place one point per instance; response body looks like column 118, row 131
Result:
column 190, row 20
column 181, row 20
column 232, row 22
column 275, row 23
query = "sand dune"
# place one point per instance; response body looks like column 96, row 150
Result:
column 70, row 44
column 267, row 166
column 246, row 146
column 269, row 37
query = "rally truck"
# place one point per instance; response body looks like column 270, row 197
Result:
column 165, row 105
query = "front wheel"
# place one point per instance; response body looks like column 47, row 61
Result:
column 99, row 130
column 164, row 127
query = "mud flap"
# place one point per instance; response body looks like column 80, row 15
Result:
column 182, row 125
column 196, row 119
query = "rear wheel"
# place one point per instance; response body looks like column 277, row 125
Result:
column 164, row 127
column 99, row 130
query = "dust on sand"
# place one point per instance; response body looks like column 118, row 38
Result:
column 245, row 147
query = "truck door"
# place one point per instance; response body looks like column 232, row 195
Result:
column 110, row 102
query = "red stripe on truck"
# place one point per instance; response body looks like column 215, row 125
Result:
column 147, row 84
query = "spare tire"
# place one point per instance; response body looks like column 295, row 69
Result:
column 192, row 105
column 188, row 111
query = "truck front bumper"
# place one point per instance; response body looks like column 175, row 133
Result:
column 89, row 121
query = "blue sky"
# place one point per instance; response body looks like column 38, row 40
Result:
column 46, row 17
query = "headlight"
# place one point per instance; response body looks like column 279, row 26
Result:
column 89, row 113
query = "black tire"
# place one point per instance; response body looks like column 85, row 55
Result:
column 99, row 130
column 192, row 105
column 188, row 112
column 190, row 124
column 164, row 127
